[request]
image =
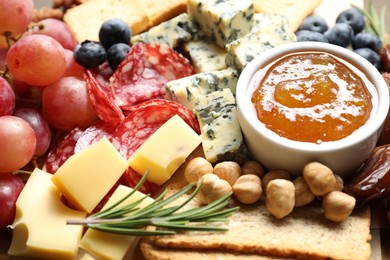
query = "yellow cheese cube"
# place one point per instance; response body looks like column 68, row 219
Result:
column 86, row 177
column 105, row 245
column 165, row 150
column 40, row 228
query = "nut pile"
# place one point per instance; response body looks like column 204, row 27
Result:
column 282, row 193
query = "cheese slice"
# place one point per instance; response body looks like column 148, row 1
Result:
column 113, row 246
column 165, row 150
column 87, row 176
column 40, row 228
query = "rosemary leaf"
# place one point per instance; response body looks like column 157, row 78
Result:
column 129, row 219
column 375, row 23
column 132, row 231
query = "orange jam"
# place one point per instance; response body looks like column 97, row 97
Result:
column 312, row 97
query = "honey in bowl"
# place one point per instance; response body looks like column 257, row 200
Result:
column 312, row 97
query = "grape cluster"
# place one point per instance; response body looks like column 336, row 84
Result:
column 113, row 45
column 348, row 31
column 42, row 92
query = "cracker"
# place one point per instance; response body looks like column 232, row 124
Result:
column 305, row 233
column 86, row 19
column 295, row 10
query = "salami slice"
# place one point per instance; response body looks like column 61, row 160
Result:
column 94, row 133
column 131, row 178
column 144, row 72
column 141, row 122
column 175, row 107
column 63, row 151
column 102, row 99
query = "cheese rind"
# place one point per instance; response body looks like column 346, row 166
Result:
column 39, row 228
column 222, row 21
column 221, row 135
column 165, row 150
column 187, row 90
column 105, row 245
column 205, row 55
column 86, row 177
column 267, row 34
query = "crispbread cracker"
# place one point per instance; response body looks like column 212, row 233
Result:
column 153, row 252
column 295, row 10
column 160, row 11
column 86, row 19
column 305, row 233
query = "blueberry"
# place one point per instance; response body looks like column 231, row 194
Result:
column 89, row 54
column 367, row 40
column 116, row 53
column 353, row 17
column 314, row 23
column 340, row 34
column 310, row 36
column 369, row 55
column 114, row 31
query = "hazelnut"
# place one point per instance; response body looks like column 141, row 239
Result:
column 253, row 167
column 247, row 189
column 196, row 168
column 319, row 178
column 212, row 188
column 338, row 206
column 339, row 183
column 274, row 174
column 303, row 195
column 228, row 170
column 280, row 198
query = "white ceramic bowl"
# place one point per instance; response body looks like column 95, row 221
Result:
column 343, row 156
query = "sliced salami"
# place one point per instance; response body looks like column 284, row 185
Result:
column 94, row 133
column 141, row 122
column 175, row 107
column 144, row 72
column 63, row 151
column 131, row 178
column 102, row 99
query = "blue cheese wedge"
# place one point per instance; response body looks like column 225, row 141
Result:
column 221, row 135
column 262, row 21
column 172, row 32
column 187, row 90
column 205, row 55
column 268, row 33
column 222, row 21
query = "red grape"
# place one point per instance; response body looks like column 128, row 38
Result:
column 72, row 67
column 56, row 29
column 10, row 188
column 66, row 104
column 41, row 128
column 7, row 98
column 15, row 15
column 37, row 59
column 17, row 142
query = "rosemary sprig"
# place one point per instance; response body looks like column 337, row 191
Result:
column 129, row 219
column 375, row 23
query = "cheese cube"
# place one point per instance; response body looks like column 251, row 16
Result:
column 221, row 135
column 205, row 55
column 40, row 229
column 188, row 89
column 107, row 245
column 222, row 21
column 165, row 150
column 268, row 34
column 87, row 176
